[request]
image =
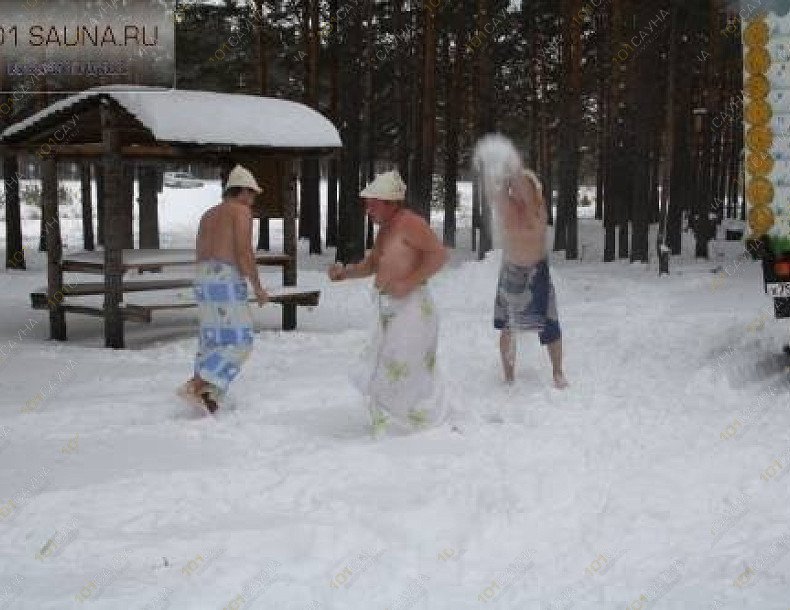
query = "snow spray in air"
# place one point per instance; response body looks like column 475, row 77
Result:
column 495, row 160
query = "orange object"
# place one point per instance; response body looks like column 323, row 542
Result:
column 782, row 268
column 757, row 60
column 761, row 218
column 756, row 34
column 759, row 191
column 759, row 164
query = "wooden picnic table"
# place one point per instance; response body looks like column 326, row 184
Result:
column 289, row 296
column 153, row 259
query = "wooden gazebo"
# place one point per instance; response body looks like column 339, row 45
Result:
column 128, row 130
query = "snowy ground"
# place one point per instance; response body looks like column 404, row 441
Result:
column 656, row 480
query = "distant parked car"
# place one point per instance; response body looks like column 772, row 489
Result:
column 181, row 180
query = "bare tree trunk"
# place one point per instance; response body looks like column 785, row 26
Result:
column 662, row 247
column 263, row 87
column 400, row 92
column 332, row 172
column 454, row 96
column 548, row 169
column 569, row 170
column 484, row 115
column 310, row 202
column 428, row 131
column 370, row 105
column 351, row 221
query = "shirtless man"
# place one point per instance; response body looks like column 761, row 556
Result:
column 398, row 370
column 525, row 297
column 224, row 262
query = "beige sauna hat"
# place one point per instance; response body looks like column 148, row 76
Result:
column 240, row 176
column 388, row 186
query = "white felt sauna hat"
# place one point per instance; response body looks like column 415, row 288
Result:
column 388, row 186
column 242, row 177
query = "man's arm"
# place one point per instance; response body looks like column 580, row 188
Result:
column 366, row 267
column 242, row 246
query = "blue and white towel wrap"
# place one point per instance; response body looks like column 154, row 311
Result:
column 525, row 300
column 225, row 340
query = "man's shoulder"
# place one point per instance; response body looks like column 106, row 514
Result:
column 234, row 211
column 211, row 211
column 412, row 220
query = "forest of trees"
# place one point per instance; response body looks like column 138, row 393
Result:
column 640, row 100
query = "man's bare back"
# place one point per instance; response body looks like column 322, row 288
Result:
column 216, row 238
column 225, row 234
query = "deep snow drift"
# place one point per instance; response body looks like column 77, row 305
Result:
column 656, row 480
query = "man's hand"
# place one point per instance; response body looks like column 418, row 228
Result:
column 337, row 272
column 261, row 295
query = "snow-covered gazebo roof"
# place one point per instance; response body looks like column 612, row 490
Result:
column 178, row 116
column 130, row 132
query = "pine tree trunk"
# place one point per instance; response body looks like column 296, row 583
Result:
column 548, row 170
column 400, row 90
column 574, row 119
column 428, row 130
column 454, row 96
column 351, row 221
column 662, row 246
column 612, row 138
column 484, row 116
column 310, row 202
column 602, row 118
column 333, row 169
column 704, row 225
column 263, row 88
column 370, row 137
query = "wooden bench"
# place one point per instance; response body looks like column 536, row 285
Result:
column 289, row 297
column 143, row 312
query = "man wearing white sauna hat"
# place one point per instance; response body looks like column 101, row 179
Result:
column 224, row 262
column 397, row 372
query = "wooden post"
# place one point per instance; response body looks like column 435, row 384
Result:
column 87, row 206
column 263, row 234
column 289, row 237
column 100, row 196
column 127, row 206
column 14, row 253
column 149, row 214
column 114, row 233
column 49, row 213
column 475, row 211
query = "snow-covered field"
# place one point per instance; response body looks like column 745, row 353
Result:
column 657, row 480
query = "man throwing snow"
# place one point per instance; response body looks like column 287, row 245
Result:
column 398, row 370
column 525, row 298
column 224, row 262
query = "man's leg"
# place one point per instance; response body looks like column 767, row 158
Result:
column 507, row 348
column 555, row 353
